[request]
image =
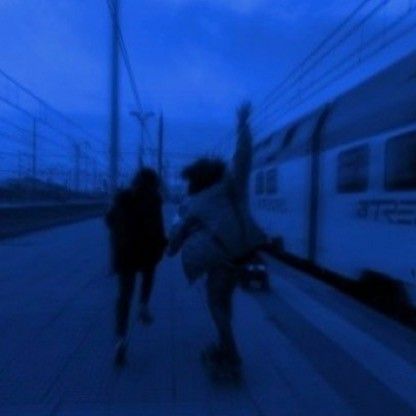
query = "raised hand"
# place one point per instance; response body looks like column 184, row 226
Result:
column 244, row 112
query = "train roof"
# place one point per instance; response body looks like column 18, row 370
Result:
column 382, row 102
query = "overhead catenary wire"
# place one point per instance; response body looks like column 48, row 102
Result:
column 381, row 40
column 290, row 85
column 43, row 121
column 42, row 102
column 321, row 45
column 129, row 68
column 348, row 65
column 126, row 58
column 33, row 120
column 327, row 46
column 71, row 139
column 345, row 30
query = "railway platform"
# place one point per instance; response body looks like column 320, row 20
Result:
column 307, row 349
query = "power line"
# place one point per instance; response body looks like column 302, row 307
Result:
column 378, row 42
column 49, row 116
column 154, row 150
column 46, row 123
column 43, row 103
column 53, row 120
column 307, row 64
column 126, row 59
column 349, row 64
column 316, row 50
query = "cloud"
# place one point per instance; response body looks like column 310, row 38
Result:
column 282, row 9
column 197, row 84
column 194, row 58
column 239, row 6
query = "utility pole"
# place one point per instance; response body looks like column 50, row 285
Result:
column 87, row 166
column 94, row 176
column 115, row 110
column 160, row 147
column 77, row 148
column 142, row 117
column 34, row 150
column 20, row 165
column 84, row 172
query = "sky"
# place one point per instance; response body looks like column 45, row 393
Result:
column 194, row 59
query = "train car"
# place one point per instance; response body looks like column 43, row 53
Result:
column 337, row 186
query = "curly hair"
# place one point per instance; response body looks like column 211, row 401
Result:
column 203, row 174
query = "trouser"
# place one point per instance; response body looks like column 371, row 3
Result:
column 126, row 284
column 221, row 284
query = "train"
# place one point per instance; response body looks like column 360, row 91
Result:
column 336, row 187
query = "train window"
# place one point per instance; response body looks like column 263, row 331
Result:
column 353, row 170
column 259, row 183
column 400, row 173
column 271, row 181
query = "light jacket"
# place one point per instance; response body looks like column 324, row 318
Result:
column 215, row 226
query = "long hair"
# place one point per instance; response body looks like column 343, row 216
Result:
column 203, row 174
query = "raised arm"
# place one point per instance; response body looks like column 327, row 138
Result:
column 242, row 159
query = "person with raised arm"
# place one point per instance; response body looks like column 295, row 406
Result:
column 215, row 233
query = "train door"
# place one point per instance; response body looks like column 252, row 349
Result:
column 314, row 187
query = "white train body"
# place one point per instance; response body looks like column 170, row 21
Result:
column 338, row 186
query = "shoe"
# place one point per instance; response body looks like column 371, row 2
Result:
column 145, row 317
column 222, row 364
column 220, row 355
column 232, row 359
column 213, row 354
column 121, row 353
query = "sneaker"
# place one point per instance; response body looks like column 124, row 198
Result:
column 222, row 364
column 214, row 354
column 121, row 352
column 218, row 354
column 145, row 317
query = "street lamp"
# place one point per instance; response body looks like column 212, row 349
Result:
column 142, row 117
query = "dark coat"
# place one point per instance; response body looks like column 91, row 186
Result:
column 136, row 230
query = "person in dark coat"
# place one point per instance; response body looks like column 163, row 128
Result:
column 138, row 241
column 215, row 232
